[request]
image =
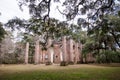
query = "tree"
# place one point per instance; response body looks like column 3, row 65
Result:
column 114, row 26
column 7, row 51
column 104, row 39
column 2, row 32
column 25, row 48
column 94, row 9
column 56, row 29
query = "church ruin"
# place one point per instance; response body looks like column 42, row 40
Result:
column 67, row 50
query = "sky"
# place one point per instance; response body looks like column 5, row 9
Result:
column 10, row 9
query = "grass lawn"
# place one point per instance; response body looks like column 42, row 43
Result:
column 56, row 72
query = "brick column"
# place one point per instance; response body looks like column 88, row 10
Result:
column 40, row 54
column 43, row 56
column 52, row 53
column 37, row 52
column 80, row 52
column 26, row 53
column 49, row 52
column 64, row 48
column 77, row 53
column 61, row 55
column 71, row 50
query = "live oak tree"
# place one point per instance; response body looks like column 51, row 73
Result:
column 94, row 9
column 55, row 30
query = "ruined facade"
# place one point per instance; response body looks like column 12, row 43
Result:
column 66, row 50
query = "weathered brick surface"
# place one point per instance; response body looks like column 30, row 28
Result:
column 56, row 57
column 71, row 50
column 48, row 54
column 43, row 56
column 66, row 50
column 76, row 58
column 37, row 52
column 26, row 53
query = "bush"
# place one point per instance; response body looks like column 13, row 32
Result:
column 79, row 62
column 11, row 58
column 71, row 63
column 48, row 63
column 108, row 57
column 63, row 63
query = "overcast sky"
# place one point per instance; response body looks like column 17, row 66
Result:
column 9, row 9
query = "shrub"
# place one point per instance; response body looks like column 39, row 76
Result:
column 63, row 63
column 71, row 63
column 79, row 62
column 108, row 57
column 48, row 63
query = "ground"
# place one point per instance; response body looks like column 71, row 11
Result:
column 56, row 72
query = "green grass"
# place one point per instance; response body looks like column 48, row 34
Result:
column 56, row 72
